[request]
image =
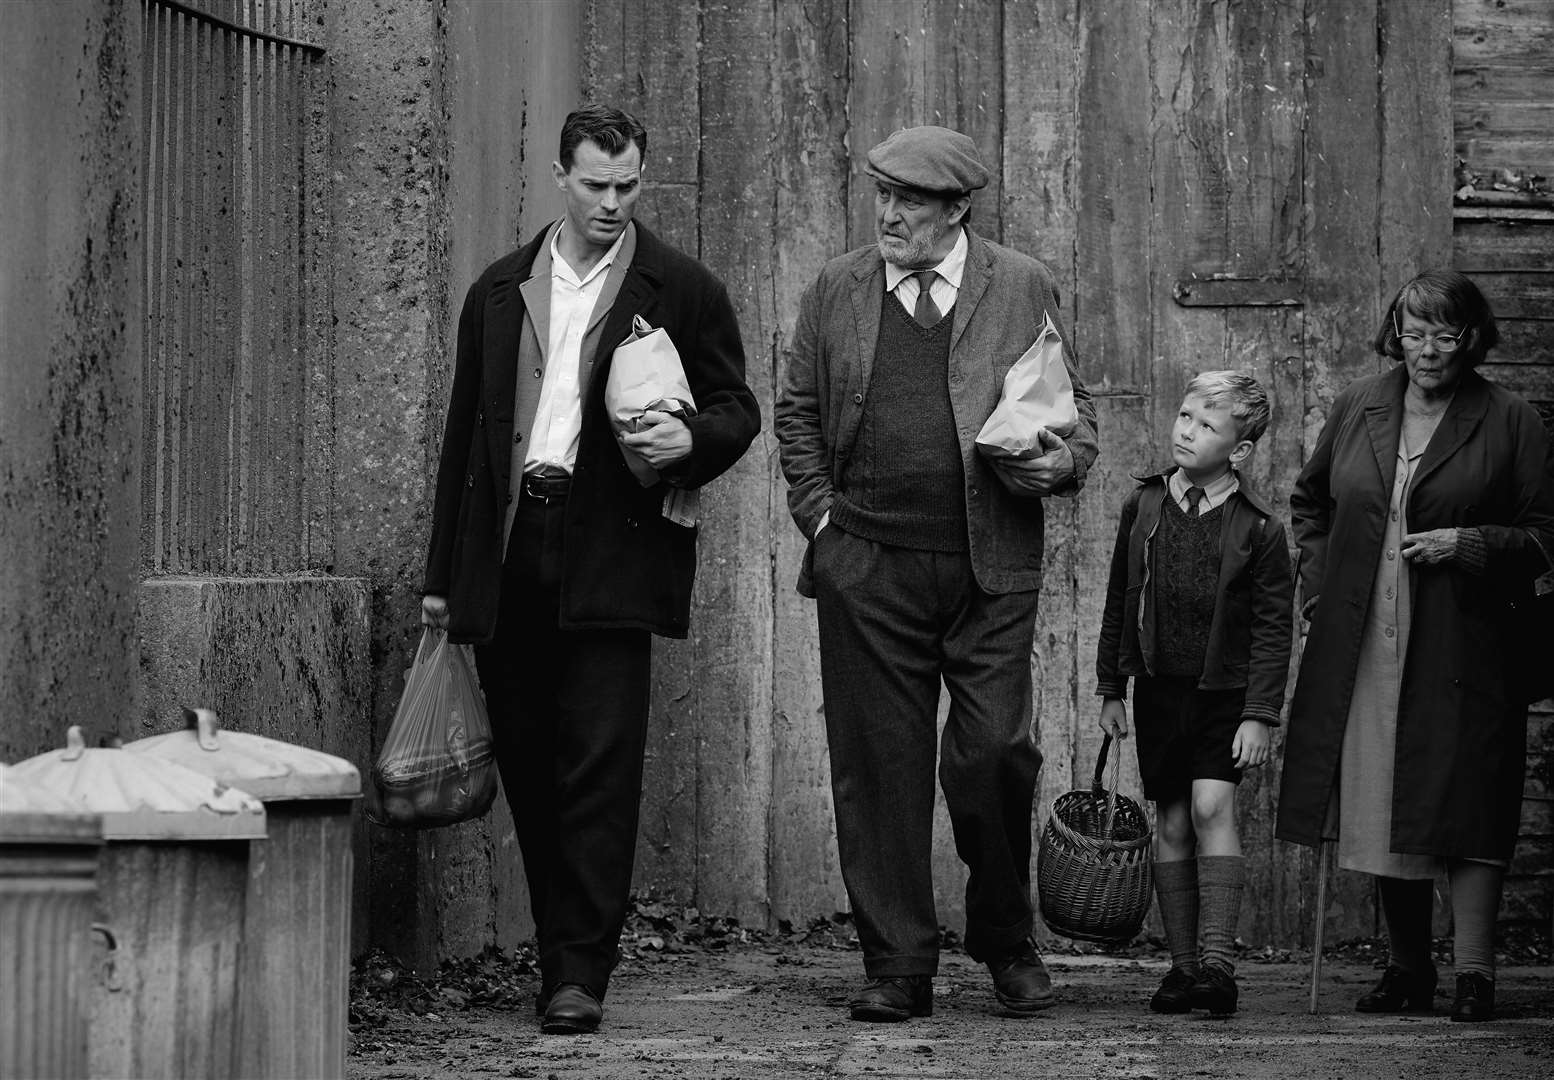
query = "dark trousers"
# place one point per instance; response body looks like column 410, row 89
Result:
column 893, row 622
column 569, row 712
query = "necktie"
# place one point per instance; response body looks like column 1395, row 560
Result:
column 1194, row 497
column 926, row 312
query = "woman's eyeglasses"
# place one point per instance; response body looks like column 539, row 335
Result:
column 1414, row 342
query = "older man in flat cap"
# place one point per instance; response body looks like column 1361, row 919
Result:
column 925, row 561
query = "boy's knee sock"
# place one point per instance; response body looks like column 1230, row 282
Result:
column 1221, row 879
column 1475, row 900
column 1405, row 902
column 1176, row 888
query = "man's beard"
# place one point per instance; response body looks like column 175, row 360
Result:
column 918, row 251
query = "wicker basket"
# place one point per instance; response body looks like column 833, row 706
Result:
column 1093, row 867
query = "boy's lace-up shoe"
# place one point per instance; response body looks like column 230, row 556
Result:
column 1475, row 998
column 893, row 999
column 1215, row 990
column 1175, row 993
column 1020, row 980
column 1400, row 991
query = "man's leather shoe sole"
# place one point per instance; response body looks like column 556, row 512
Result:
column 892, row 1000
column 572, row 1010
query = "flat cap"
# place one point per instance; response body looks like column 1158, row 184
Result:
column 930, row 159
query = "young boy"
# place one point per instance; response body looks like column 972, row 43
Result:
column 1198, row 610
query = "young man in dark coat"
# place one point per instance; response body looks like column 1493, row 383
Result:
column 925, row 562
column 550, row 556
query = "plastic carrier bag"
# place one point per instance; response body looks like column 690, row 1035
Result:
column 438, row 765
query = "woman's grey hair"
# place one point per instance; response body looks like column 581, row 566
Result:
column 1248, row 401
column 1448, row 298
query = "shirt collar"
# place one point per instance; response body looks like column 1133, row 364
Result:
column 559, row 264
column 1214, row 494
column 949, row 268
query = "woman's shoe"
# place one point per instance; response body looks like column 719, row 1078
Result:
column 1475, row 998
column 1400, row 991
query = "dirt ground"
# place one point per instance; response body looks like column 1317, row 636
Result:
column 763, row 1010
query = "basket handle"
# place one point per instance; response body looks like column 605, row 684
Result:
column 1097, row 785
column 1100, row 764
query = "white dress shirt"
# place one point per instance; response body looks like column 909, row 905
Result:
column 1214, row 494
column 558, row 421
column 945, row 288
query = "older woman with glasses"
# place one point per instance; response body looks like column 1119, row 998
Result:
column 1422, row 518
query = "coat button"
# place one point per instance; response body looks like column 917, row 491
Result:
column 469, row 479
column 536, row 373
column 480, row 419
column 517, row 436
column 857, row 399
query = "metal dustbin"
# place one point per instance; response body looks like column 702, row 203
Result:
column 171, row 885
column 294, row 990
column 48, row 895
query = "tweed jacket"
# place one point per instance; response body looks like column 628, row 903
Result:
column 1252, row 629
column 1004, row 300
column 625, row 566
column 1461, row 722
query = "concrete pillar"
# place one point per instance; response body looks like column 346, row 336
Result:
column 70, row 314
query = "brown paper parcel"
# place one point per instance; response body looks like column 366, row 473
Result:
column 1037, row 394
column 646, row 375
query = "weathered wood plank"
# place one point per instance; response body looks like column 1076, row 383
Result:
column 733, row 624
column 1479, row 246
column 811, row 164
column 1500, row 33
column 1524, row 341
column 1414, row 232
column 1112, row 177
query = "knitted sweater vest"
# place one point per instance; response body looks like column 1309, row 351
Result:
column 903, row 484
column 1186, row 578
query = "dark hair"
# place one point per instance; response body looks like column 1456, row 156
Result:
column 1446, row 297
column 611, row 130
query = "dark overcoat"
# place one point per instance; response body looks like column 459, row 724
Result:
column 1462, row 722
column 626, row 565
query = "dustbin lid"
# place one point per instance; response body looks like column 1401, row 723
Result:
column 30, row 814
column 267, row 769
column 141, row 798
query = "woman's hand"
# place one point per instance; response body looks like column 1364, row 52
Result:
column 1114, row 717
column 1430, row 548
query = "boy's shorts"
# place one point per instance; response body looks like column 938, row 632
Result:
column 1184, row 734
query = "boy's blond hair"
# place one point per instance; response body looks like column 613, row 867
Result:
column 1245, row 396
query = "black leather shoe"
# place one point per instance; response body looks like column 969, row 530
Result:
column 1175, row 993
column 1020, row 980
column 1475, row 998
column 1215, row 990
column 892, row 999
column 572, row 1010
column 1400, row 991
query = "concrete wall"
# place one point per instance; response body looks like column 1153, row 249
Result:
column 69, row 369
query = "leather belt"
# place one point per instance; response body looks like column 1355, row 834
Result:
column 537, row 486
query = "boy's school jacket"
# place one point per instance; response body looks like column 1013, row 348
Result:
column 1250, row 637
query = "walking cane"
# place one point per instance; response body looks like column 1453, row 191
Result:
column 1316, row 948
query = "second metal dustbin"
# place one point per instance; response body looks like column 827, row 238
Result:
column 293, row 993
column 48, row 896
column 171, row 886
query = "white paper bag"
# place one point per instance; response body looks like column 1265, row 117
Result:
column 1037, row 394
column 646, row 376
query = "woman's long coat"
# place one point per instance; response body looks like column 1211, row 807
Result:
column 1462, row 722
